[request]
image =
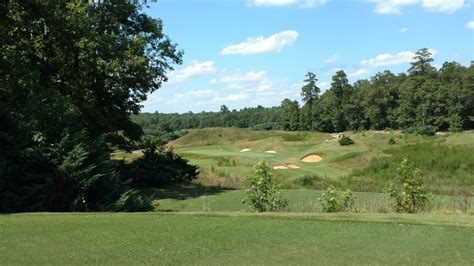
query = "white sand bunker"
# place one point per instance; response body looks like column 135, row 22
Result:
column 270, row 152
column 287, row 166
column 312, row 158
column 245, row 150
column 292, row 166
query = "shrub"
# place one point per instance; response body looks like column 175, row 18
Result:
column 392, row 141
column 267, row 126
column 306, row 181
column 332, row 202
column 132, row 201
column 455, row 123
column 261, row 194
column 408, row 194
column 345, row 141
column 159, row 166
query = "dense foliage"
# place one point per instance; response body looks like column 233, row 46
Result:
column 423, row 97
column 71, row 74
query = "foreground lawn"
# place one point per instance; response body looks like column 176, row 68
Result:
column 171, row 238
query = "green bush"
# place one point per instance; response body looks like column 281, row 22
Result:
column 345, row 141
column 132, row 201
column 267, row 126
column 332, row 202
column 408, row 194
column 261, row 194
column 392, row 141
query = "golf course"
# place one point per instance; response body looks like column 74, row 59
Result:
column 239, row 132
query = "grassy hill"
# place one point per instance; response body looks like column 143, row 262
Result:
column 226, row 155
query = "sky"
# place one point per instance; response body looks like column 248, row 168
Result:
column 245, row 53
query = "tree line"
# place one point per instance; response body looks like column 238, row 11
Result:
column 423, row 96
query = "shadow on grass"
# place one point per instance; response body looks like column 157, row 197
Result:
column 183, row 192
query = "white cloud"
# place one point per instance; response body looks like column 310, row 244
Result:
column 448, row 6
column 258, row 45
column 361, row 72
column 387, row 59
column 470, row 25
column 332, row 59
column 299, row 3
column 231, row 98
column 394, row 6
column 391, row 6
column 237, row 78
column 194, row 69
column 404, row 29
column 323, row 85
column 312, row 3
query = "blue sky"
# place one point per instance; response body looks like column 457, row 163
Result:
column 256, row 52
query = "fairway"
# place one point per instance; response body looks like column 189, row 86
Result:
column 161, row 238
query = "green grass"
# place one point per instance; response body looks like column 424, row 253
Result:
column 208, row 239
column 202, row 199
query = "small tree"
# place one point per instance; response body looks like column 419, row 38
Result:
column 408, row 194
column 261, row 194
column 455, row 123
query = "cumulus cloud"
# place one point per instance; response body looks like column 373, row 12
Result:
column 470, row 25
column 194, row 69
column 388, row 59
column 298, row 3
column 258, row 45
column 395, row 6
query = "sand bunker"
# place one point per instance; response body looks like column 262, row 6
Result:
column 245, row 150
column 312, row 158
column 270, row 152
column 292, row 166
column 286, row 166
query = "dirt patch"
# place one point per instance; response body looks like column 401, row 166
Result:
column 292, row 166
column 245, row 150
column 280, row 167
column 313, row 158
column 270, row 152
